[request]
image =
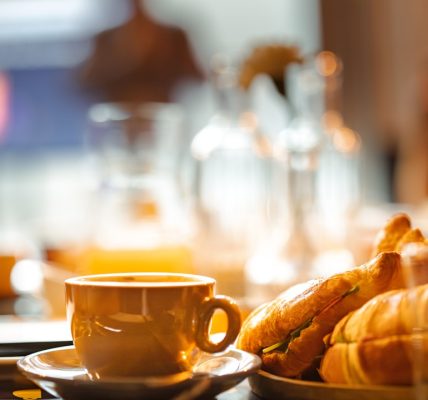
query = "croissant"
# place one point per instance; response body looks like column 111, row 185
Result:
column 376, row 344
column 388, row 238
column 288, row 332
column 411, row 236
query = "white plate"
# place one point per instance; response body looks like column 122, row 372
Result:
column 58, row 372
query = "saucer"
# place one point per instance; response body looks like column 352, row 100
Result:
column 59, row 373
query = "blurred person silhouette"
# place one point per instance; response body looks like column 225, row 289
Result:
column 141, row 60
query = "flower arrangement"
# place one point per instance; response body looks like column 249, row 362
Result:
column 272, row 60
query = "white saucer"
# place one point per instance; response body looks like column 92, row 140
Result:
column 59, row 373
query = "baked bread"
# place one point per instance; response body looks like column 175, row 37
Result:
column 411, row 236
column 388, row 238
column 288, row 332
column 376, row 343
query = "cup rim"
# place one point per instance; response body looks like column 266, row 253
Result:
column 92, row 280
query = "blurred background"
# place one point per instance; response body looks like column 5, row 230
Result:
column 159, row 135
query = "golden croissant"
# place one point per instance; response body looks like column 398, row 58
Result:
column 288, row 332
column 389, row 237
column 376, row 344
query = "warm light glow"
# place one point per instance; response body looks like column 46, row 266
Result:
column 4, row 104
column 333, row 262
column 346, row 140
column 27, row 276
column 28, row 394
column 327, row 63
column 332, row 120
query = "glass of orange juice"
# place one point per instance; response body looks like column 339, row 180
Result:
column 138, row 220
column 7, row 262
column 141, row 222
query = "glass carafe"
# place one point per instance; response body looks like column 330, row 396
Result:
column 319, row 155
column 287, row 256
column 338, row 184
column 232, row 184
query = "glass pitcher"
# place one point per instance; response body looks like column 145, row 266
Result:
column 319, row 155
column 231, row 185
column 338, row 186
column 287, row 256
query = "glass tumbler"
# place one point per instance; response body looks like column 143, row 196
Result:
column 141, row 222
column 415, row 265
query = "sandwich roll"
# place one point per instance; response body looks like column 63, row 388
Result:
column 376, row 344
column 288, row 332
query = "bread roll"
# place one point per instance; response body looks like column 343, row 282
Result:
column 288, row 332
column 376, row 344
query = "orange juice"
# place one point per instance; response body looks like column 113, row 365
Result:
column 166, row 258
column 7, row 262
column 66, row 257
column 93, row 259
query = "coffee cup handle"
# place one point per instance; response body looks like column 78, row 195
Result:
column 206, row 311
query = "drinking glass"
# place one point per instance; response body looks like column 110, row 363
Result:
column 287, row 257
column 141, row 222
column 415, row 264
column 232, row 182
